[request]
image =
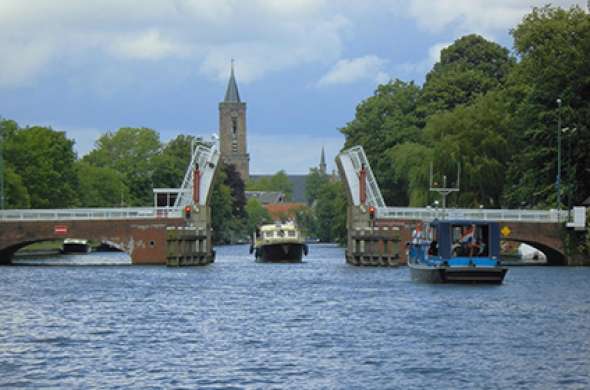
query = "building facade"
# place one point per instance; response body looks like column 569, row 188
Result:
column 232, row 129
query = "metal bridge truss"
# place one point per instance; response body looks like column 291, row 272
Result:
column 351, row 161
column 207, row 158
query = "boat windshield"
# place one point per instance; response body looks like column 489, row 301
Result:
column 470, row 240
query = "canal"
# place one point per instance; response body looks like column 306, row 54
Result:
column 321, row 324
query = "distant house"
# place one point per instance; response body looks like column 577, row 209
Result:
column 266, row 197
column 586, row 202
column 283, row 211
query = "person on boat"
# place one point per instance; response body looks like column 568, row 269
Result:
column 418, row 235
column 469, row 241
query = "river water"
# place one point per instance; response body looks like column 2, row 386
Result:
column 317, row 325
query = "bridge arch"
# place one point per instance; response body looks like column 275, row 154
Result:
column 144, row 240
column 554, row 256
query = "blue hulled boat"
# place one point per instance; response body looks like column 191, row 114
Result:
column 456, row 252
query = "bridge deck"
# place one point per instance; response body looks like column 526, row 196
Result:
column 90, row 214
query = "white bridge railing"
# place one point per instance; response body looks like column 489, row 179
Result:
column 541, row 216
column 90, row 214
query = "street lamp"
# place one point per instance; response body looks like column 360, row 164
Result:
column 558, row 178
column 569, row 168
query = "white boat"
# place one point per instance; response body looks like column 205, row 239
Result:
column 75, row 245
column 279, row 242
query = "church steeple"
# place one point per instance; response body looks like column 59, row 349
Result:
column 231, row 93
column 232, row 129
column 323, row 162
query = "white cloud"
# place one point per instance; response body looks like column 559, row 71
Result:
column 149, row 45
column 481, row 16
column 263, row 35
column 347, row 71
column 20, row 63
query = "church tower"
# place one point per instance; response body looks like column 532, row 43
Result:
column 323, row 162
column 232, row 129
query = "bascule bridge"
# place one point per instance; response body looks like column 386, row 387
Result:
column 377, row 233
column 176, row 233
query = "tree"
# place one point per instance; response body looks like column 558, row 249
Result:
column 330, row 213
column 386, row 119
column 476, row 137
column 256, row 215
column 171, row 163
column 132, row 152
column 44, row 160
column 15, row 192
column 101, row 186
column 468, row 68
column 553, row 46
column 234, row 181
column 228, row 219
column 314, row 182
column 278, row 182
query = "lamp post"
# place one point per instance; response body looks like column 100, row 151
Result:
column 569, row 169
column 558, row 178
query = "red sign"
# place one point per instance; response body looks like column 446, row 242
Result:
column 60, row 230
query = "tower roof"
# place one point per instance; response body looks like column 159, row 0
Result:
column 231, row 93
column 323, row 162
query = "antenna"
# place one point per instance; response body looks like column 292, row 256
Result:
column 444, row 190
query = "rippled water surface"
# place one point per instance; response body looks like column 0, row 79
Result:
column 320, row 324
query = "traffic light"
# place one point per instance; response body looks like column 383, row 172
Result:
column 187, row 212
column 371, row 212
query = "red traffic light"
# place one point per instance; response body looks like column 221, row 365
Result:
column 371, row 212
column 187, row 212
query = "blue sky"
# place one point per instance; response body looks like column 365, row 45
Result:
column 302, row 66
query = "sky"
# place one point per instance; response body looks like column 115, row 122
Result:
column 302, row 66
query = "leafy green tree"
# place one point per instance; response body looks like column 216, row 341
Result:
column 553, row 46
column 101, row 186
column 386, row 119
column 468, row 68
column 278, row 182
column 133, row 152
column 44, row 160
column 228, row 219
column 307, row 221
column 16, row 195
column 171, row 163
column 221, row 209
column 476, row 137
column 330, row 212
column 314, row 182
column 257, row 215
column 234, row 181
column 411, row 165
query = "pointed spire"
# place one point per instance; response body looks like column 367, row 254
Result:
column 231, row 93
column 323, row 162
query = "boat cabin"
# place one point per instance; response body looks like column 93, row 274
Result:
column 461, row 238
